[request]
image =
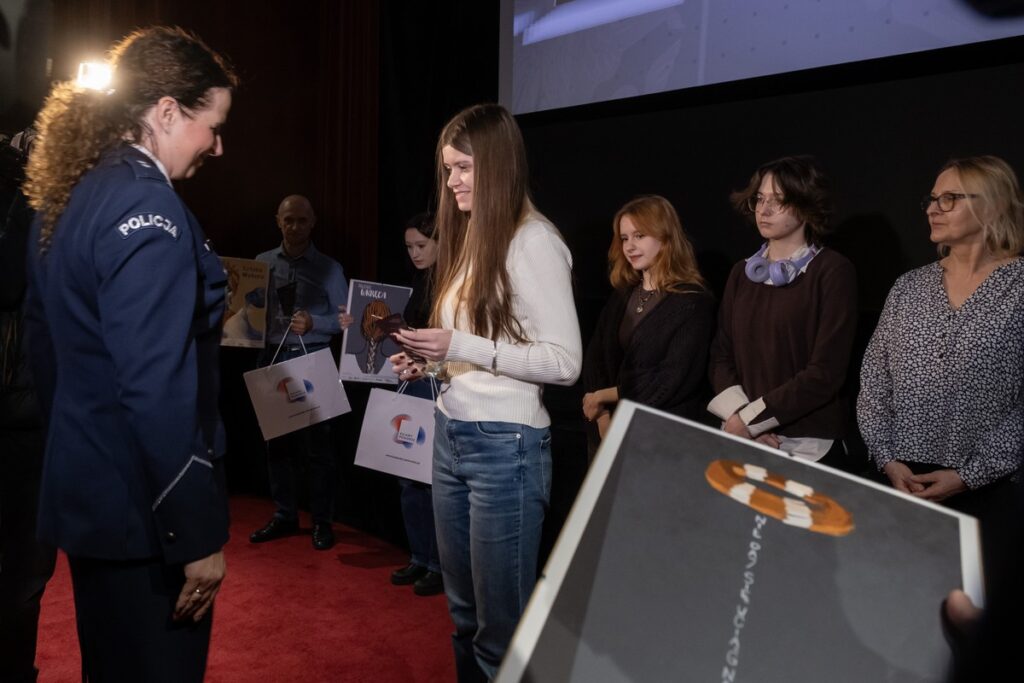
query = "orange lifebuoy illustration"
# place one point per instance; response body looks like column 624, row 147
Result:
column 807, row 510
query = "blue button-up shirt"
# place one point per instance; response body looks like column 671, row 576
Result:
column 321, row 288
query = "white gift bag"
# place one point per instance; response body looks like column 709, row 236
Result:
column 296, row 393
column 398, row 435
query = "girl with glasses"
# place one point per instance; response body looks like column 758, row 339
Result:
column 787, row 321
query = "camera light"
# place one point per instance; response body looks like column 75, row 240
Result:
column 94, row 75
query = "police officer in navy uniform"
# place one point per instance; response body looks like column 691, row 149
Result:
column 124, row 307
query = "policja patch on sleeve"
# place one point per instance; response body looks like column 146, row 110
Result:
column 147, row 220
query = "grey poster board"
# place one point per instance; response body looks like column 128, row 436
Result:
column 659, row 576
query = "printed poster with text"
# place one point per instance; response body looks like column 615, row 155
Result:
column 692, row 555
column 245, row 303
column 365, row 347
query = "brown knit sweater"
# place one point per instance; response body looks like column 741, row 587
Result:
column 789, row 346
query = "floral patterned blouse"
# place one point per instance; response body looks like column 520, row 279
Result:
column 944, row 386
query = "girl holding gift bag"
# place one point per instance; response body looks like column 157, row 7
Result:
column 504, row 323
column 424, row 568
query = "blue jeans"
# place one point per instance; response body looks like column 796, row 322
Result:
column 492, row 484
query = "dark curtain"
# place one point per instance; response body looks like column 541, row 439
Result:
column 347, row 93
column 304, row 120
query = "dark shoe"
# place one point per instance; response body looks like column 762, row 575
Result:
column 323, row 536
column 430, row 583
column 408, row 574
column 275, row 528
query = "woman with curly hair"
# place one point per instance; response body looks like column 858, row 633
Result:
column 651, row 341
column 126, row 298
column 787, row 321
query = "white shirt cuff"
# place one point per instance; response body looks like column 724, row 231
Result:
column 728, row 402
column 750, row 412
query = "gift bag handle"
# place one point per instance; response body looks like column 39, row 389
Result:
column 402, row 386
column 283, row 340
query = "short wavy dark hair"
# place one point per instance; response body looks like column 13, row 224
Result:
column 803, row 186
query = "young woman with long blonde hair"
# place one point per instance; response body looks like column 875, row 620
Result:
column 504, row 324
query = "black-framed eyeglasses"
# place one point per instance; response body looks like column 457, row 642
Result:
column 769, row 204
column 945, row 201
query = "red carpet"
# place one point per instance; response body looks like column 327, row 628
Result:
column 289, row 613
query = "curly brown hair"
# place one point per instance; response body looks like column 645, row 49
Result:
column 76, row 125
column 803, row 186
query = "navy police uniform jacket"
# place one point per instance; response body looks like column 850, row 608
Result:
column 123, row 318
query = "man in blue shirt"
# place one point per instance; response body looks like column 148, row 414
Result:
column 316, row 286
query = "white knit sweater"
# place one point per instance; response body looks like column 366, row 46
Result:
column 540, row 274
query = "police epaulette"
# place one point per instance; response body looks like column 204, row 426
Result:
column 144, row 169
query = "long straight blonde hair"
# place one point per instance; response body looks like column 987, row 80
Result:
column 474, row 246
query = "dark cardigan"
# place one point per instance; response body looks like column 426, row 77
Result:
column 664, row 365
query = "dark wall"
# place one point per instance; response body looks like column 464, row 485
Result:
column 881, row 130
column 436, row 59
column 24, row 47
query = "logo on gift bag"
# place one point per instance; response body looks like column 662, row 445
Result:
column 406, row 432
column 294, row 389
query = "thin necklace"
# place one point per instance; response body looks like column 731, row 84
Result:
column 644, row 297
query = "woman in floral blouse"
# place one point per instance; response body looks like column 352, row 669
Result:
column 941, row 386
